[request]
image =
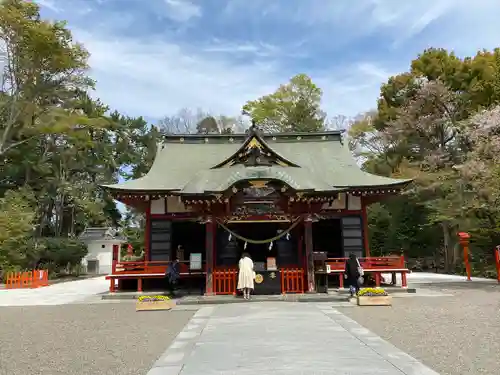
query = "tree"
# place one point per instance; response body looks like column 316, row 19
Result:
column 43, row 72
column 16, row 224
column 207, row 125
column 293, row 107
column 186, row 121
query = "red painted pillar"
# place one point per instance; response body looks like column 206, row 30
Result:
column 464, row 241
column 116, row 249
column 209, row 255
column 147, row 233
column 497, row 261
column 366, row 238
column 404, row 283
column 311, row 284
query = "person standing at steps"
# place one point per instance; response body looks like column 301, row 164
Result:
column 172, row 275
column 353, row 273
column 246, row 275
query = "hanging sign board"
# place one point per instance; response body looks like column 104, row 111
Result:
column 195, row 261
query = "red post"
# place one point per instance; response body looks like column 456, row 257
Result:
column 147, row 232
column 497, row 261
column 404, row 283
column 366, row 239
column 464, row 239
column 311, row 284
column 116, row 249
column 209, row 255
column 111, row 285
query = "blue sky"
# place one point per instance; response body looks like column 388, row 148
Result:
column 154, row 57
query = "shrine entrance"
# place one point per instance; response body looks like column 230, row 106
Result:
column 272, row 246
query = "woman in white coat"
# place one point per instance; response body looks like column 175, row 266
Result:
column 246, row 275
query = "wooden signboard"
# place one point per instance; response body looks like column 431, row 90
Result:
column 271, row 264
column 195, row 261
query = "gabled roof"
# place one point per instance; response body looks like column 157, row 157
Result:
column 101, row 234
column 201, row 164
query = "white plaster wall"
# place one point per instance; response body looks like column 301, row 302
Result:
column 158, row 206
column 354, row 202
column 103, row 254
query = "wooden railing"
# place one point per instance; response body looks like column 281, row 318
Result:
column 225, row 281
column 292, row 280
column 390, row 262
column 29, row 279
column 149, row 267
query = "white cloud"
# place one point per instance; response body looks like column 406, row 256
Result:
column 49, row 4
column 182, row 10
column 372, row 70
column 153, row 76
column 255, row 49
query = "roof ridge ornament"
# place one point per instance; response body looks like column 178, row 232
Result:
column 254, row 129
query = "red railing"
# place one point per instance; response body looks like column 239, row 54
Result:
column 390, row 262
column 497, row 261
column 148, row 267
column 29, row 279
column 292, row 280
column 225, row 281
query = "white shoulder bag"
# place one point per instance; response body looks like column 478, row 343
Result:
column 360, row 269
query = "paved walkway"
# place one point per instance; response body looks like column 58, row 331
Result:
column 56, row 294
column 281, row 339
column 416, row 278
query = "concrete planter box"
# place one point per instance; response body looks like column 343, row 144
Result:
column 374, row 301
column 154, row 305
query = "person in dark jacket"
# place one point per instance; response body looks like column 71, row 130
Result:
column 352, row 273
column 172, row 275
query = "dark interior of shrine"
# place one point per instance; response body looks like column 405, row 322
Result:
column 327, row 236
column 284, row 249
column 191, row 236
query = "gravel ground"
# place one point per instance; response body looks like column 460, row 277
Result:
column 458, row 335
column 97, row 339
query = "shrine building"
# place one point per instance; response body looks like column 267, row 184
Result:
column 296, row 202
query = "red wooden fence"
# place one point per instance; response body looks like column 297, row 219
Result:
column 225, row 281
column 28, row 279
column 292, row 280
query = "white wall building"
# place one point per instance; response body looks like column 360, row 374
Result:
column 100, row 243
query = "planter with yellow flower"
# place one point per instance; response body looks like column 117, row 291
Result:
column 374, row 297
column 152, row 303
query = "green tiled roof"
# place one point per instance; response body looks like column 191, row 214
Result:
column 216, row 180
column 184, row 164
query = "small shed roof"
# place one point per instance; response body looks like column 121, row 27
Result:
column 101, row 234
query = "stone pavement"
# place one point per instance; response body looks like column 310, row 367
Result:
column 56, row 294
column 281, row 338
column 415, row 279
